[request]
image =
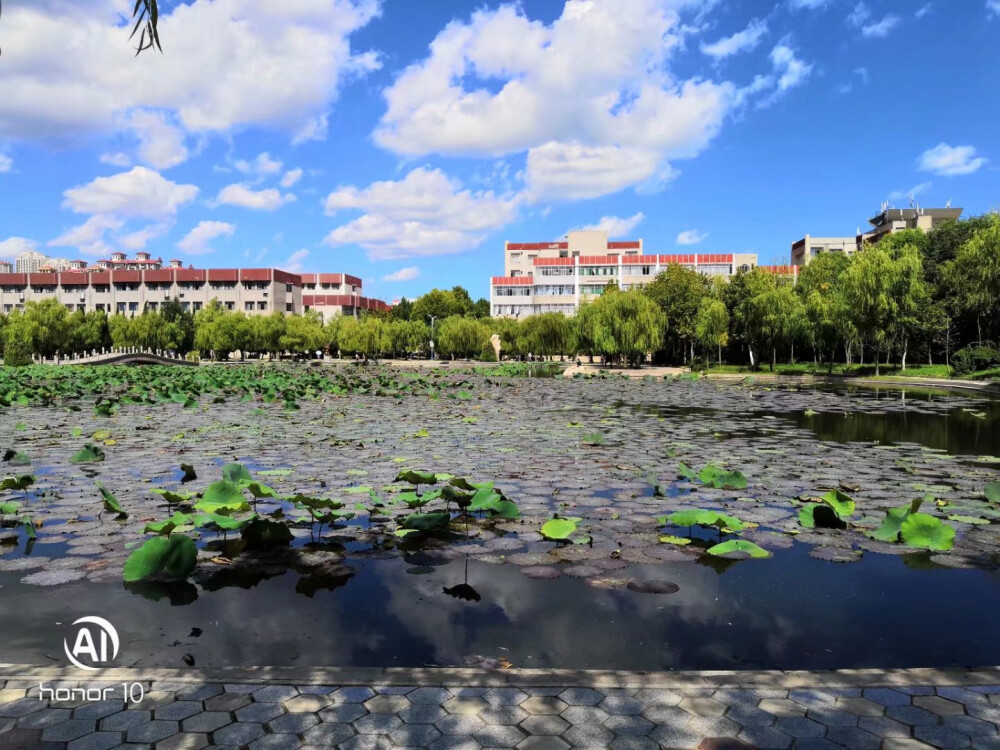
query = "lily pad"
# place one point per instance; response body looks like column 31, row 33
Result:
column 172, row 557
column 558, row 529
column 739, row 546
column 927, row 532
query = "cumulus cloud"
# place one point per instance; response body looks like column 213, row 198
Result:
column 617, row 226
column 489, row 85
column 198, row 240
column 788, row 71
column 161, row 141
column 993, row 8
column 949, row 161
column 403, row 274
column 860, row 17
column 258, row 200
column 425, row 213
column 741, row 41
column 898, row 195
column 691, row 237
column 14, row 246
column 6, row 163
column 116, row 159
column 141, row 193
column 261, row 166
column 89, row 235
column 139, row 239
column 294, row 262
column 291, row 177
column 229, row 64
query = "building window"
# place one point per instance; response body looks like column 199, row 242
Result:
column 261, row 305
column 248, row 306
column 288, row 288
column 230, row 305
column 133, row 307
column 288, row 307
column 120, row 308
column 223, row 284
column 196, row 306
column 102, row 288
column 647, row 270
column 152, row 305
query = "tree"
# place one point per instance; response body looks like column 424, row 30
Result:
column 461, row 301
column 974, row 274
column 172, row 311
column 461, row 337
column 583, row 330
column 48, row 324
column 402, row 310
column 481, row 308
column 627, row 326
column 546, row 334
column 436, row 302
column 267, row 331
column 18, row 343
column 509, row 330
column 771, row 318
column 712, row 325
column 737, row 295
column 910, row 296
column 678, row 291
column 303, row 333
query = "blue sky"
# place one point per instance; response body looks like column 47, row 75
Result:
column 404, row 141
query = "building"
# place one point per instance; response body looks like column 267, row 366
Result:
column 130, row 286
column 887, row 221
column 332, row 294
column 6, row 266
column 559, row 276
column 31, row 261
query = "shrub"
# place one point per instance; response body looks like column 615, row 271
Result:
column 488, row 354
column 975, row 358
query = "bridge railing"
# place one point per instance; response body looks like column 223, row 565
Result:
column 109, row 353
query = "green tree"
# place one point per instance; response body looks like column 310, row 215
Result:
column 974, row 275
column 868, row 296
column 266, row 332
column 742, row 288
column 546, row 334
column 461, row 301
column 627, row 326
column 18, row 341
column 509, row 331
column 481, row 308
column 437, row 302
column 678, row 291
column 461, row 337
column 172, row 311
column 772, row 319
column 402, row 310
column 49, row 324
column 712, row 325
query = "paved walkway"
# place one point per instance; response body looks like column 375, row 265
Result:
column 270, row 709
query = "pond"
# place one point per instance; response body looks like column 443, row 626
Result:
column 493, row 591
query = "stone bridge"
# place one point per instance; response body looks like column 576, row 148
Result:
column 120, row 356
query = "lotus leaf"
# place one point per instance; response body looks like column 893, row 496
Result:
column 175, row 557
column 166, row 528
column 259, row 490
column 894, row 517
column 686, row 472
column 819, row 515
column 222, row 497
column 992, row 493
column 9, row 508
column 236, row 473
column 413, row 500
column 507, row 509
column 703, row 518
column 722, row 479
column 405, row 532
column 15, row 458
column 111, row 503
column 485, row 499
column 426, row 521
column 416, row 477
column 594, row 438
column 226, row 523
column 29, row 527
column 974, row 520
column 88, row 454
column 261, row 533
column 678, row 540
column 21, row 482
column 465, row 484
column 315, row 503
column 175, row 498
column 738, row 545
column 927, row 532
column 558, row 529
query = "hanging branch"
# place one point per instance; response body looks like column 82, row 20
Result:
column 146, row 15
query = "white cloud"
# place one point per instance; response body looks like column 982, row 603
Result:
column 141, row 193
column 861, row 15
column 258, row 200
column 14, row 246
column 294, row 262
column 489, row 85
column 617, row 226
column 227, row 64
column 116, row 159
column 291, row 177
column 6, row 163
column 161, row 142
column 993, row 8
column 139, row 239
column 923, row 10
column 899, row 195
column 403, row 274
column 950, row 160
column 788, row 72
column 262, row 165
column 741, row 41
column 806, row 4
column 198, row 240
column 425, row 213
column 90, row 234
column 691, row 237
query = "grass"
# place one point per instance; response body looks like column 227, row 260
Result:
column 868, row 370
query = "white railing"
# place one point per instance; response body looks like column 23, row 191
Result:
column 106, row 354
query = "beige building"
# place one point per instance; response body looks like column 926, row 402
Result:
column 130, row 286
column 558, row 276
column 809, row 247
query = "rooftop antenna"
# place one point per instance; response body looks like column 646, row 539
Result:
column 948, row 204
column 911, row 200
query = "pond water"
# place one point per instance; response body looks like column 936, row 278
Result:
column 499, row 594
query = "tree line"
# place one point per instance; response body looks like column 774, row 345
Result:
column 913, row 296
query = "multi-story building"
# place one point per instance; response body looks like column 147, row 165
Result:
column 129, row 287
column 332, row 294
column 31, row 261
column 559, row 276
column 6, row 266
column 887, row 221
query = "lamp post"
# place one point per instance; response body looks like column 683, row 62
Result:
column 433, row 318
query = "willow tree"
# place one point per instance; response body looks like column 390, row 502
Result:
column 773, row 318
column 627, row 326
column 711, row 327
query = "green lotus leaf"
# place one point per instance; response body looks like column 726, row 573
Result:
column 405, row 532
column 16, row 458
column 992, row 493
column 274, row 473
column 484, row 499
column 453, row 495
column 111, row 503
column 412, row 499
column 464, row 484
column 88, row 454
column 226, row 523
column 594, row 438
column 222, row 497
column 9, row 508
column 426, row 521
column 357, row 490
column 974, row 520
column 927, row 532
column 315, row 503
column 686, row 472
column 703, row 518
column 236, row 473
column 842, row 503
column 722, row 479
column 262, row 533
column 29, row 527
column 177, row 521
column 174, row 557
column 175, row 498
column 416, row 477
column 820, row 515
column 101, row 435
column 678, row 540
column 20, row 482
column 738, row 545
column 507, row 509
column 259, row 490
column 558, row 529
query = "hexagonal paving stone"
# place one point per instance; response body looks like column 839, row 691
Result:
column 352, row 695
column 96, row 741
column 450, row 743
column 19, row 707
column 588, row 735
column 465, row 706
column 9, row 695
column 315, row 689
column 702, row 706
column 544, row 724
column 543, row 743
column 504, row 715
column 883, row 726
column 853, row 737
column 586, row 715
column 886, row 697
column 124, row 720
column 750, row 716
column 505, row 697
column 177, row 711
column 385, row 704
column 160, row 698
column 860, row 706
column 634, row 743
column 343, row 714
column 328, row 735
column 629, row 726
column 938, row 705
column 259, row 712
column 228, row 702
column 581, row 697
column 960, row 694
column 711, row 726
column 986, row 711
column 433, row 695
column 370, row 742
column 460, row 724
column 276, row 742
column 98, row 709
column 622, row 704
column 904, row 743
column 782, row 707
column 912, row 715
column 377, row 724
column 68, row 730
column 799, row 726
column 206, row 721
column 422, row 713
column 543, row 704
column 969, row 725
column 153, row 731
column 496, row 735
column 813, row 698
column 833, row 717
column 197, row 693
column 942, row 737
column 242, row 733
column 275, row 694
column 766, row 738
column 676, row 736
column 657, row 697
column 47, row 717
column 307, row 704
column 293, row 723
column 414, row 735
column 183, row 741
